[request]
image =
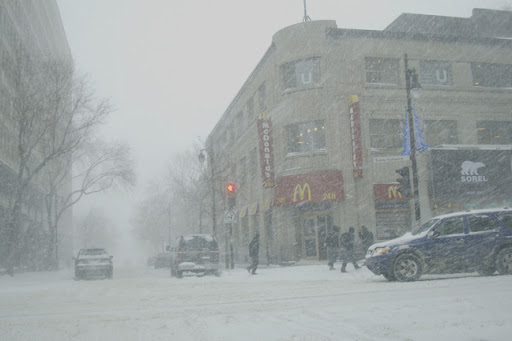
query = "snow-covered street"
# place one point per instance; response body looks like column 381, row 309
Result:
column 301, row 302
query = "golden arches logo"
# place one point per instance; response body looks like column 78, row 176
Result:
column 393, row 192
column 301, row 189
column 263, row 116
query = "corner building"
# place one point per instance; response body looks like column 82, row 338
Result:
column 316, row 133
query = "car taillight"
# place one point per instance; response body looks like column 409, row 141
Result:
column 217, row 255
column 180, row 255
column 82, row 261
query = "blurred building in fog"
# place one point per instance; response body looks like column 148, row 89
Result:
column 36, row 27
column 316, row 133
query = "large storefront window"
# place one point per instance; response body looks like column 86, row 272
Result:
column 382, row 70
column 494, row 132
column 439, row 132
column 306, row 137
column 385, row 134
column 301, row 73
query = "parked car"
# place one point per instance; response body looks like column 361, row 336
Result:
column 195, row 253
column 93, row 263
column 479, row 240
column 162, row 260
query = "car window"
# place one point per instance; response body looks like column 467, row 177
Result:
column 506, row 218
column 426, row 226
column 480, row 222
column 450, row 226
column 93, row 252
column 197, row 243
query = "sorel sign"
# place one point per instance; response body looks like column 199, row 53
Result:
column 470, row 172
column 471, row 175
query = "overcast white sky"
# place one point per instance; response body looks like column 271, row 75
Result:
column 172, row 67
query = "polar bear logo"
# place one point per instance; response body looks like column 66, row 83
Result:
column 471, row 168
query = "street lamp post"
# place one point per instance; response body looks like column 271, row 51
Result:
column 201, row 158
column 412, row 85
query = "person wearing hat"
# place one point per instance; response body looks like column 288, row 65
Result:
column 332, row 242
column 254, row 250
column 347, row 245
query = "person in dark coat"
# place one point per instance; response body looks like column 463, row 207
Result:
column 366, row 238
column 254, row 250
column 332, row 242
column 347, row 247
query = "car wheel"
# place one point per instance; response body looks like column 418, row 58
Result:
column 504, row 261
column 216, row 273
column 389, row 276
column 179, row 274
column 173, row 272
column 110, row 274
column 407, row 268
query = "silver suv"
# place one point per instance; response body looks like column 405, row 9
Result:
column 195, row 253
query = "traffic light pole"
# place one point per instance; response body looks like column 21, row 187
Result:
column 408, row 75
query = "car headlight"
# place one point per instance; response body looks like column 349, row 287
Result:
column 381, row 250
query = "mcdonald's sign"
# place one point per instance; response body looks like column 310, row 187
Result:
column 266, row 149
column 387, row 192
column 309, row 188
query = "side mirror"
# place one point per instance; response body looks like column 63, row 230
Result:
column 167, row 248
column 433, row 234
column 111, row 257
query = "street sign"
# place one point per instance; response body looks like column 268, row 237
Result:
column 230, row 217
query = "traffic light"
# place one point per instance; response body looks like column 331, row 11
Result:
column 231, row 192
column 404, row 181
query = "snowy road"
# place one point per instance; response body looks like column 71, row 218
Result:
column 293, row 303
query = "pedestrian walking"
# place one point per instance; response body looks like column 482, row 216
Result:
column 254, row 250
column 332, row 242
column 347, row 247
column 366, row 238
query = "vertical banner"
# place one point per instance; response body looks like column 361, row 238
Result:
column 355, row 130
column 265, row 142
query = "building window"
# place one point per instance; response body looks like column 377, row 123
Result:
column 262, row 97
column 386, row 134
column 250, row 109
column 242, row 171
column 301, row 74
column 435, row 73
column 306, row 137
column 440, row 132
column 240, row 122
column 253, row 163
column 382, row 70
column 492, row 75
column 494, row 132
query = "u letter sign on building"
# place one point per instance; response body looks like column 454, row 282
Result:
column 326, row 186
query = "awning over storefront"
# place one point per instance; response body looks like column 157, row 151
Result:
column 243, row 212
column 309, row 188
column 386, row 192
column 267, row 205
column 253, row 209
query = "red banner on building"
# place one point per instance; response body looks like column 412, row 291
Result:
column 386, row 192
column 326, row 186
column 355, row 130
column 266, row 147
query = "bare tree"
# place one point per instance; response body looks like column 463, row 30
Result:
column 152, row 220
column 96, row 230
column 53, row 112
column 94, row 167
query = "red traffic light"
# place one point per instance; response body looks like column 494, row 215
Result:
column 230, row 188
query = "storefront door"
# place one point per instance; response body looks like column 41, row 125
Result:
column 315, row 228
